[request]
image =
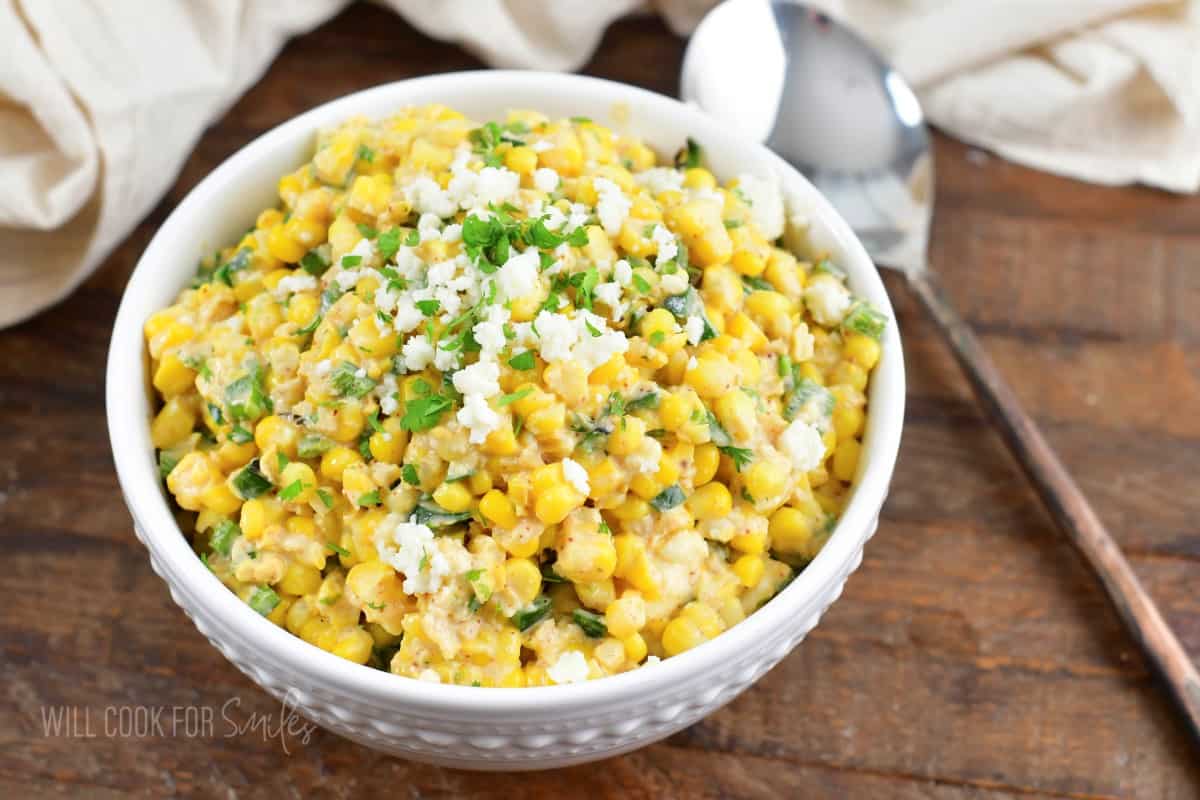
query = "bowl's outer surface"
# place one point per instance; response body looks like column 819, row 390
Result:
column 465, row 727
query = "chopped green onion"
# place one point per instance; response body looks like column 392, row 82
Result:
column 532, row 614
column 668, row 498
column 263, row 600
column 222, row 536
column 522, row 361
column 592, row 623
column 249, row 483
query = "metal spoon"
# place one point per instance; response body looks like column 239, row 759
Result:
column 825, row 101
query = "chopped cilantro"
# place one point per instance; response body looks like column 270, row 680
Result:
column 741, row 455
column 369, row 499
column 410, row 476
column 515, row 396
column 522, row 361
column 250, row 482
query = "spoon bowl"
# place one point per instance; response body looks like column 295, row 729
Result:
column 819, row 96
column 823, row 99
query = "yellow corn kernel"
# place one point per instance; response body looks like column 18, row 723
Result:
column 749, row 569
column 765, row 479
column 848, row 373
column 749, row 367
column 633, row 508
column 628, row 437
column 626, row 615
column 334, row 161
column 350, row 422
column 700, row 225
column 370, row 194
column 585, row 558
column 453, row 496
column 343, row 236
column 635, row 648
column 498, row 509
column 305, row 232
column 706, row 619
column 737, row 414
column 221, row 499
column 521, row 160
column 791, row 531
column 278, row 432
column 335, row 461
column 847, row 421
column 754, row 543
column 845, row 459
column 658, row 321
column 388, row 444
column 674, row 410
column 231, row 455
column 596, row 594
column 524, row 578
column 298, row 474
column 553, row 505
column 429, row 156
column 172, row 424
column 862, row 350
column 706, row 459
column 680, row 635
column 501, row 442
column 742, row 327
column 173, row 377
column 607, row 372
column 302, row 309
column 699, row 178
column 710, row 501
column 712, row 377
column 282, row 246
column 354, row 645
column 255, row 517
column 480, row 483
column 300, row 579
column 748, row 262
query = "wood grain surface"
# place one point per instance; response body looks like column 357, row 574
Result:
column 971, row 656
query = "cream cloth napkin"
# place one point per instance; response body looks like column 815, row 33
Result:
column 101, row 102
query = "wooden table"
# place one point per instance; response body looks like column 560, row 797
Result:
column 970, row 657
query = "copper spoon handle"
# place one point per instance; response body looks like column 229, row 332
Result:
column 1069, row 507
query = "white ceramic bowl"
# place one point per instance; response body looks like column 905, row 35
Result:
column 474, row 728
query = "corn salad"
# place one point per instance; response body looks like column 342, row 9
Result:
column 510, row 404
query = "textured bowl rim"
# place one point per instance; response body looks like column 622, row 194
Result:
column 138, row 476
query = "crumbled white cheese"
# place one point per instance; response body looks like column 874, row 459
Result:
column 541, row 145
column 668, row 248
column 803, row 445
column 612, row 206
column 427, row 197
column 646, row 459
column 406, row 316
column 476, row 190
column 610, row 295
column 591, row 351
column 418, row 352
column 545, row 179
column 675, row 282
column 827, row 299
column 692, row 363
column 297, row 282
column 571, row 667
column 452, row 233
column 347, row 279
column 429, row 676
column 556, row 336
column 478, row 417
column 480, row 378
column 410, row 549
column 490, row 332
column 694, row 328
column 577, row 476
column 446, row 360
column 622, row 272
column 766, row 204
column 660, row 179
column 519, row 275
column 652, row 659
